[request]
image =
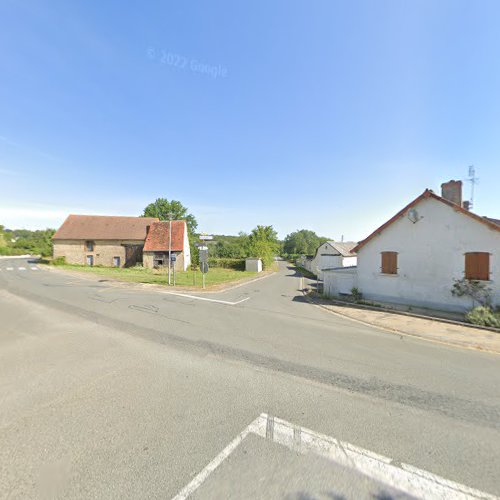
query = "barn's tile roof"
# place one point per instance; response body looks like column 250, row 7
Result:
column 103, row 227
column 158, row 236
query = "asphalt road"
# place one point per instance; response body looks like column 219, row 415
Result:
column 119, row 391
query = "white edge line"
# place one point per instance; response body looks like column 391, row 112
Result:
column 409, row 479
column 190, row 488
column 206, row 298
column 406, row 478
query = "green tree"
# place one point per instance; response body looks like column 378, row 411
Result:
column 263, row 243
column 161, row 208
column 303, row 242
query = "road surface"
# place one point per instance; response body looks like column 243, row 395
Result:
column 122, row 391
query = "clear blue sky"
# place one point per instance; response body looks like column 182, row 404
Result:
column 328, row 115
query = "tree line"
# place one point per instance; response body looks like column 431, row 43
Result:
column 261, row 242
column 24, row 241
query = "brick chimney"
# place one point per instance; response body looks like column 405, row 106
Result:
column 452, row 191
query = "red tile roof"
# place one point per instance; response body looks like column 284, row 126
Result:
column 428, row 194
column 103, row 227
column 157, row 239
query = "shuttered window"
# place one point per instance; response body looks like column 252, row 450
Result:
column 477, row 266
column 389, row 263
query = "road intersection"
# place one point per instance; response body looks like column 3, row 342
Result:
column 122, row 391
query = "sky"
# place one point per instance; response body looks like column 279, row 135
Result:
column 326, row 115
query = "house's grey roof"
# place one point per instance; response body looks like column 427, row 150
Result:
column 339, row 268
column 344, row 248
column 495, row 221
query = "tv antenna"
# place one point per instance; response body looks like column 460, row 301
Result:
column 473, row 181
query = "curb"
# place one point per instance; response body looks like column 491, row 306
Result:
column 414, row 315
column 399, row 332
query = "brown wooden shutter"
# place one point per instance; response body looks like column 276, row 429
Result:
column 477, row 266
column 389, row 262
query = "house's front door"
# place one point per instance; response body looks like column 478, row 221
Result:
column 90, row 260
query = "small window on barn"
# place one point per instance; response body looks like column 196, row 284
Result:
column 89, row 246
column 477, row 266
column 389, row 263
column 116, row 261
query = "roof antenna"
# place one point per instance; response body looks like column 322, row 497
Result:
column 473, row 181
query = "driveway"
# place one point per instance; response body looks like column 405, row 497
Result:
column 110, row 391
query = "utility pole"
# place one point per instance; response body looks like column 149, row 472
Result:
column 169, row 245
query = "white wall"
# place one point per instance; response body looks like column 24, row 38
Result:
column 328, row 261
column 187, row 249
column 339, row 281
column 430, row 256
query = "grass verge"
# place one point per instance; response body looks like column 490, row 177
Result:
column 215, row 276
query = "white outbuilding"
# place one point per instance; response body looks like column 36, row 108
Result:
column 253, row 265
column 416, row 255
column 331, row 254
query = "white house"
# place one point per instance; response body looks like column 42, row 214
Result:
column 331, row 254
column 416, row 255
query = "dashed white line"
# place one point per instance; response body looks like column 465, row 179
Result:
column 9, row 268
column 21, row 269
column 408, row 479
column 34, row 268
column 207, row 299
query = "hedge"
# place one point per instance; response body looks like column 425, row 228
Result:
column 226, row 263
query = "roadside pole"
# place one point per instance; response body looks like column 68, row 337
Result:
column 203, row 252
column 169, row 245
column 173, row 259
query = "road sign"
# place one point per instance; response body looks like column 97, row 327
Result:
column 202, row 247
column 204, row 267
column 203, row 255
column 206, row 237
column 173, row 257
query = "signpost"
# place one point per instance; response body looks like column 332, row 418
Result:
column 203, row 249
column 173, row 258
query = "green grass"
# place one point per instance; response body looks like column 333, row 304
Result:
column 215, row 275
column 305, row 272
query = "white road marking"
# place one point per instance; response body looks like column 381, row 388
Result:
column 9, row 268
column 406, row 478
column 21, row 269
column 34, row 268
column 207, row 299
column 190, row 488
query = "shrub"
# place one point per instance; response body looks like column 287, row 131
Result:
column 59, row 261
column 11, row 251
column 225, row 263
column 478, row 291
column 356, row 294
column 484, row 316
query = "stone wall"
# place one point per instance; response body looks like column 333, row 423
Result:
column 148, row 260
column 104, row 251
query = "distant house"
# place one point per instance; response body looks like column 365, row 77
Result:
column 331, row 254
column 156, row 247
column 102, row 240
column 416, row 255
